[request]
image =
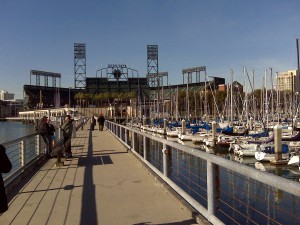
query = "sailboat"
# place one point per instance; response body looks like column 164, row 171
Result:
column 295, row 160
column 267, row 153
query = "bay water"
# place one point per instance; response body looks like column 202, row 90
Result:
column 13, row 130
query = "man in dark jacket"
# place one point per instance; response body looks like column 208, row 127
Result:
column 45, row 133
column 101, row 120
column 5, row 167
column 67, row 129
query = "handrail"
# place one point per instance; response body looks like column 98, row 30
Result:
column 272, row 180
column 23, row 153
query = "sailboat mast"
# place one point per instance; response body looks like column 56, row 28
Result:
column 272, row 99
column 266, row 99
column 205, row 97
column 245, row 91
column 176, row 107
column 231, row 98
column 278, row 98
column 253, row 100
column 187, row 98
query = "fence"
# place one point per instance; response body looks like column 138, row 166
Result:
column 23, row 153
column 28, row 151
column 223, row 191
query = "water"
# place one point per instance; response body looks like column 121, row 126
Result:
column 13, row 130
column 240, row 200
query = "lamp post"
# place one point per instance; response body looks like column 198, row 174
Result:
column 83, row 106
column 70, row 97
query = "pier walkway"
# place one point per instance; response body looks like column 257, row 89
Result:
column 102, row 184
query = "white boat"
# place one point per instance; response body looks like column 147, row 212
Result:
column 245, row 149
column 268, row 157
column 267, row 152
column 295, row 160
column 187, row 136
column 286, row 171
column 200, row 136
column 173, row 132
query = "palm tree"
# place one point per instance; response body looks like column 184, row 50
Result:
column 79, row 96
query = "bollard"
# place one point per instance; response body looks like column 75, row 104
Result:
column 214, row 132
column 165, row 126
column 278, row 142
column 183, row 126
column 295, row 123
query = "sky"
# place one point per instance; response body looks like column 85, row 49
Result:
column 223, row 35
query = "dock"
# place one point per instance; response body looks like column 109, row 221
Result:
column 104, row 183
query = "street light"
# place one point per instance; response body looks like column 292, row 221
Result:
column 69, row 97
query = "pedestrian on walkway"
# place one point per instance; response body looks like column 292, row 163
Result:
column 45, row 132
column 67, row 129
column 101, row 120
column 5, row 167
column 93, row 123
column 53, row 137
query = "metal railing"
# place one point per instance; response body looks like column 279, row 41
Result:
column 29, row 150
column 23, row 153
column 223, row 191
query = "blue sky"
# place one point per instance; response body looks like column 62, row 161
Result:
column 219, row 34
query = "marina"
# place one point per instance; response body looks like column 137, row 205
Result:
column 150, row 113
column 187, row 170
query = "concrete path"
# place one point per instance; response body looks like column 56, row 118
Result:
column 103, row 184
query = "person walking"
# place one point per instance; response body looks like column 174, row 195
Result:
column 5, row 167
column 101, row 120
column 45, row 133
column 67, row 129
column 93, row 123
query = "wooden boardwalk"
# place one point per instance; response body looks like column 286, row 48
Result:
column 103, row 184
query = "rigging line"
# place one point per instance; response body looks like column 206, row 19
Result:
column 214, row 98
column 249, row 79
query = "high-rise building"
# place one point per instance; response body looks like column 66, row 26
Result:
column 288, row 81
column 4, row 96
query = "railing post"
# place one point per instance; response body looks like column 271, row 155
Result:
column 126, row 136
column 22, row 153
column 120, row 132
column 117, row 130
column 165, row 160
column 133, row 140
column 211, row 188
column 38, row 145
column 145, row 147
